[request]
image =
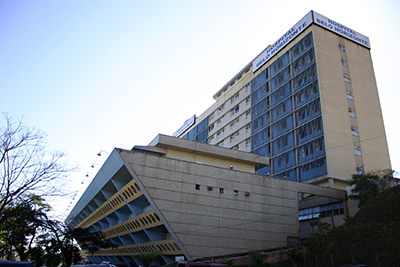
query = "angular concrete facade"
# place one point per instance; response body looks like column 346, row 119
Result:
column 163, row 198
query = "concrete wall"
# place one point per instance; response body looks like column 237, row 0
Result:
column 206, row 221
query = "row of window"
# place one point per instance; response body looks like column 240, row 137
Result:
column 321, row 211
column 221, row 190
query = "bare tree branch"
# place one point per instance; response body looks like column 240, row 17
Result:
column 26, row 165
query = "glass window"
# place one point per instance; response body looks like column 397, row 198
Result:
column 354, row 130
column 347, row 79
column 344, row 63
column 349, row 95
column 357, row 150
column 221, row 108
column 352, row 113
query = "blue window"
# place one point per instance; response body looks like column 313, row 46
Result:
column 302, row 46
column 288, row 175
column 260, row 138
column 260, row 122
column 313, row 169
column 304, row 61
column 260, row 107
column 308, row 112
column 283, row 143
column 305, row 77
column 282, row 93
column 280, row 78
column 282, row 126
column 263, row 151
column 284, row 161
column 279, row 64
column 259, row 79
column 309, row 130
column 282, row 109
column 311, row 150
column 308, row 93
column 259, row 93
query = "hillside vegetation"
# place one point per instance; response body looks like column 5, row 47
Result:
column 371, row 237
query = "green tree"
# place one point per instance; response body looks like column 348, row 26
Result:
column 257, row 258
column 23, row 220
column 62, row 242
column 229, row 262
column 295, row 256
column 367, row 186
column 147, row 258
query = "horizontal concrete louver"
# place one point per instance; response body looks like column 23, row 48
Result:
column 130, row 192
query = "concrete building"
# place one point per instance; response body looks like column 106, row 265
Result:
column 274, row 151
column 191, row 200
column 309, row 102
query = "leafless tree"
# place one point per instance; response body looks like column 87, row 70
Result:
column 26, row 165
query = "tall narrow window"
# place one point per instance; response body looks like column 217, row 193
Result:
column 349, row 95
column 347, row 79
column 357, row 150
column 354, row 130
column 352, row 113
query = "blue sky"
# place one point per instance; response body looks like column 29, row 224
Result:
column 95, row 75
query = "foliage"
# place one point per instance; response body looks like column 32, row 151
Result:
column 295, row 256
column 367, row 186
column 147, row 258
column 23, row 220
column 229, row 262
column 371, row 237
column 26, row 166
column 257, row 259
column 60, row 241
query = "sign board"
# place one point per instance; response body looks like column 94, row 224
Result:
column 341, row 30
column 311, row 17
column 283, row 41
column 185, row 126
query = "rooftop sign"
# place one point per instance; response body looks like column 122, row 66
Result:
column 189, row 122
column 311, row 17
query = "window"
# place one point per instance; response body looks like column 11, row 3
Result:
column 237, row 122
column 232, row 125
column 248, row 142
column 342, row 48
column 211, row 127
column 197, row 187
column 235, row 147
column 221, row 108
column 234, row 98
column 248, row 128
column 235, row 192
column 352, row 113
column 357, row 150
column 212, row 116
column 219, row 122
column 349, row 95
column 347, row 79
column 221, row 144
column 248, row 114
column 354, row 130
column 211, row 139
column 248, row 87
column 221, row 190
column 344, row 63
column 248, row 100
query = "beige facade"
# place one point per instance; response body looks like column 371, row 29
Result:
column 160, row 197
column 353, row 142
